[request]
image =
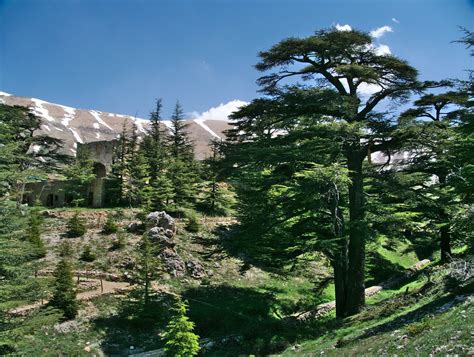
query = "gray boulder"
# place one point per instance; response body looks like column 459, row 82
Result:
column 173, row 262
column 159, row 235
column 195, row 270
column 163, row 220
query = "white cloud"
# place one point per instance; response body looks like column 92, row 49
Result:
column 379, row 32
column 221, row 112
column 395, row 20
column 381, row 50
column 345, row 27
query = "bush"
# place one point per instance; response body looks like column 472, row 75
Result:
column 119, row 242
column 65, row 249
column 87, row 254
column 110, row 226
column 417, row 327
column 76, row 227
column 192, row 224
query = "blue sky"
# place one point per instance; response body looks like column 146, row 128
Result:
column 118, row 55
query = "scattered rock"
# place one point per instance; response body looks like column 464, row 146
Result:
column 195, row 269
column 173, row 262
column 136, row 227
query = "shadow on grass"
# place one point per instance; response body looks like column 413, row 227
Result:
column 411, row 316
column 133, row 325
column 243, row 321
column 380, row 269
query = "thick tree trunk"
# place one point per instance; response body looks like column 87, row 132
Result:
column 445, row 243
column 340, row 280
column 444, row 231
column 357, row 235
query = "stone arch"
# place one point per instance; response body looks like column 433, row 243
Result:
column 99, row 170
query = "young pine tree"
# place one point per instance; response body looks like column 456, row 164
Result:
column 182, row 169
column 158, row 192
column 217, row 199
column 79, row 176
column 76, row 226
column 64, row 296
column 180, row 339
column 137, row 169
column 33, row 233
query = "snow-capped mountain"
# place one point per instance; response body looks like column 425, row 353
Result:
column 74, row 125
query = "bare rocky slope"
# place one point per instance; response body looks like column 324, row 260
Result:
column 86, row 125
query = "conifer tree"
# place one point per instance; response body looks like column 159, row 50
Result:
column 217, row 198
column 79, row 176
column 180, row 339
column 64, row 296
column 25, row 156
column 137, row 170
column 117, row 183
column 335, row 122
column 33, row 232
column 181, row 169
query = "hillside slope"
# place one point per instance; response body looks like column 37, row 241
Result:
column 75, row 125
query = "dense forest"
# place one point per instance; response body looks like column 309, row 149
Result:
column 338, row 210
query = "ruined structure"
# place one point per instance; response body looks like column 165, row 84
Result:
column 52, row 193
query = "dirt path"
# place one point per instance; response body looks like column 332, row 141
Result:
column 108, row 287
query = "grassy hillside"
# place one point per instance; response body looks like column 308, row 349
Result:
column 240, row 309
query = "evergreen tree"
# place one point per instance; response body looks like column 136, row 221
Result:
column 137, row 169
column 76, row 226
column 33, row 233
column 64, row 296
column 181, row 168
column 25, row 156
column 180, row 145
column 158, row 192
column 180, row 339
column 217, row 198
column 117, row 182
column 428, row 135
column 331, row 121
column 79, row 175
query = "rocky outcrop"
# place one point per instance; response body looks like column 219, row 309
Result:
column 162, row 220
column 161, row 232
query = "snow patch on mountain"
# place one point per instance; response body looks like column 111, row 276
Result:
column 69, row 115
column 76, row 136
column 97, row 117
column 201, row 123
column 41, row 110
column 5, row 94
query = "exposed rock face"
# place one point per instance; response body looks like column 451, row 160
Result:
column 162, row 220
column 136, row 227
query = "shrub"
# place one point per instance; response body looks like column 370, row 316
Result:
column 76, row 227
column 119, row 242
column 110, row 226
column 179, row 336
column 65, row 249
column 87, row 254
column 192, row 224
column 417, row 327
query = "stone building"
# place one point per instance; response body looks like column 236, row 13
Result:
column 52, row 193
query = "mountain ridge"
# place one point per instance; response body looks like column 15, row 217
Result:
column 74, row 125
